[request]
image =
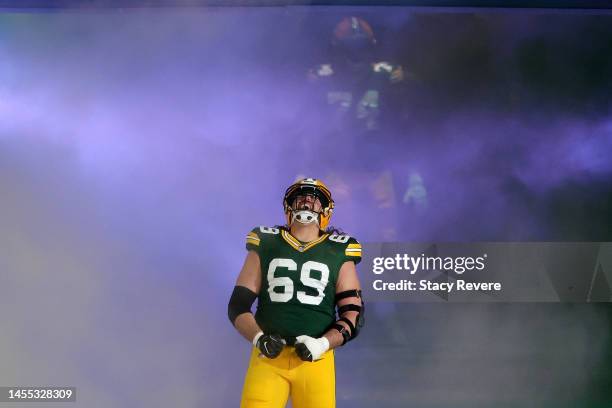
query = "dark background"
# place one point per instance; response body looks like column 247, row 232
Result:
column 139, row 145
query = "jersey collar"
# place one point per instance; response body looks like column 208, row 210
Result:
column 297, row 245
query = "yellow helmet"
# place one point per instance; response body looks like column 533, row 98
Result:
column 310, row 186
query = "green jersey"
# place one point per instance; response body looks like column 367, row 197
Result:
column 298, row 282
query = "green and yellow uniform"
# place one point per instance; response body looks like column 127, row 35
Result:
column 297, row 297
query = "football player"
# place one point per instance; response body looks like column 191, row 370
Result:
column 302, row 275
column 353, row 79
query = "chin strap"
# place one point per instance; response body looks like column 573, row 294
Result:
column 304, row 216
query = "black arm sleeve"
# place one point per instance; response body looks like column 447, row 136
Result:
column 241, row 301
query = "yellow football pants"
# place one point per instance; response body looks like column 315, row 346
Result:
column 270, row 382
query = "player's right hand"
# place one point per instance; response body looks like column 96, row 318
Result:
column 270, row 345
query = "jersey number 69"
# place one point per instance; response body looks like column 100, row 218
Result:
column 305, row 277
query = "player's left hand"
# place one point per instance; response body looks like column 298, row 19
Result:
column 309, row 348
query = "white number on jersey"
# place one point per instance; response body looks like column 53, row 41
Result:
column 342, row 239
column 269, row 230
column 305, row 277
column 284, row 282
column 318, row 284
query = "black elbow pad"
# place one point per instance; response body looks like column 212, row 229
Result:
column 241, row 301
column 360, row 309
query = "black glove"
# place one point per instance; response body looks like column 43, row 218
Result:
column 270, row 345
column 302, row 351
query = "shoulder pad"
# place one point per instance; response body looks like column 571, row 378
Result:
column 349, row 245
column 257, row 234
column 253, row 240
column 353, row 250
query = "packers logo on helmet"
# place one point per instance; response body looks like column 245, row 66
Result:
column 309, row 187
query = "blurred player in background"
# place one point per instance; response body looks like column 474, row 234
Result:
column 300, row 273
column 352, row 84
column 354, row 78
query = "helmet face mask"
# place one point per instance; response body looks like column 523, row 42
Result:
column 308, row 201
column 306, row 208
